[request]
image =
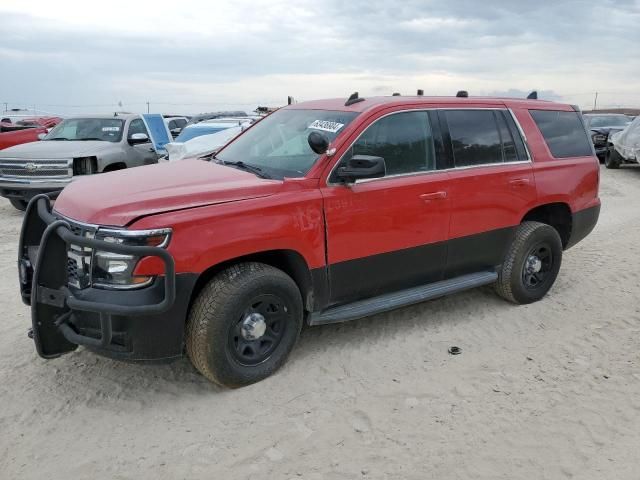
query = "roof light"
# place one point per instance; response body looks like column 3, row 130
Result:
column 462, row 94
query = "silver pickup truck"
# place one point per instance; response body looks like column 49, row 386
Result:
column 77, row 146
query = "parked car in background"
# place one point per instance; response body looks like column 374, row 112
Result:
column 175, row 124
column 624, row 146
column 601, row 125
column 322, row 212
column 214, row 115
column 202, row 146
column 207, row 127
column 76, row 147
column 24, row 130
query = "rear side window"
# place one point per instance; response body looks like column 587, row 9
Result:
column 404, row 140
column 474, row 137
column 564, row 133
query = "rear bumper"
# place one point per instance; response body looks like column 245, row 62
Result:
column 584, row 221
column 145, row 324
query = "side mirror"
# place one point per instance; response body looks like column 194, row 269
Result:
column 138, row 138
column 41, row 136
column 175, row 131
column 362, row 166
column 318, row 142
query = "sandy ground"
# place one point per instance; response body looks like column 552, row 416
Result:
column 549, row 390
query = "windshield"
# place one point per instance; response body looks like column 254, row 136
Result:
column 278, row 144
column 102, row 129
column 608, row 121
column 197, row 131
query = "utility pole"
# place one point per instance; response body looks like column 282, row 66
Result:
column 595, row 101
column 147, row 107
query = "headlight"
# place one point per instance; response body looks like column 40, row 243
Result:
column 115, row 270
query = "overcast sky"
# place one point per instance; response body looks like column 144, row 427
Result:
column 188, row 56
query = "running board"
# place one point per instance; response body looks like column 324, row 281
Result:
column 391, row 301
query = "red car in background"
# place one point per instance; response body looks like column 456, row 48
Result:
column 24, row 130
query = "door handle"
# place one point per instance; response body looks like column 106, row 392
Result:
column 519, row 182
column 427, row 197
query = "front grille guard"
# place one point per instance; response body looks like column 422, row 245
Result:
column 45, row 285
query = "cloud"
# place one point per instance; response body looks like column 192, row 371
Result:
column 203, row 53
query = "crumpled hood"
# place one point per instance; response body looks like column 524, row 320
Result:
column 118, row 198
column 50, row 149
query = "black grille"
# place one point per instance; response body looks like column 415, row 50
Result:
column 79, row 258
column 72, row 271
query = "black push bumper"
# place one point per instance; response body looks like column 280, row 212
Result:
column 143, row 324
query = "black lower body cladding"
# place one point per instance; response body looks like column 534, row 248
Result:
column 583, row 222
column 153, row 338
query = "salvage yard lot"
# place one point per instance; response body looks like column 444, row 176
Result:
column 548, row 390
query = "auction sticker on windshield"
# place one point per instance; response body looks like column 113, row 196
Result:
column 326, row 126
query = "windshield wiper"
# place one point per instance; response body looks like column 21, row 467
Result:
column 86, row 139
column 245, row 166
column 58, row 138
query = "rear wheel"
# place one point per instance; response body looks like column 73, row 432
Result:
column 531, row 265
column 612, row 159
column 243, row 324
column 19, row 204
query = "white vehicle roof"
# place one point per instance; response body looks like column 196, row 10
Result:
column 202, row 145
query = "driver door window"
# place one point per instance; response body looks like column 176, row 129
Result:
column 137, row 126
column 404, row 140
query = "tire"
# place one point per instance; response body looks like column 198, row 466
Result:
column 19, row 204
column 244, row 300
column 612, row 159
column 536, row 246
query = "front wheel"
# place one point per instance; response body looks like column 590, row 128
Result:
column 243, row 324
column 531, row 265
column 612, row 159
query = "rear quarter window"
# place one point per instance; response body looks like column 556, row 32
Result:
column 563, row 132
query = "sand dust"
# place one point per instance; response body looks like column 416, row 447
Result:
column 544, row 391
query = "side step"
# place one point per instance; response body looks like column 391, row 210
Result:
column 391, row 301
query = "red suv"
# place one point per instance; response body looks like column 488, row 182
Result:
column 323, row 212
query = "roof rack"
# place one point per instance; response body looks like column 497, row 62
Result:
column 462, row 94
column 533, row 95
column 353, row 98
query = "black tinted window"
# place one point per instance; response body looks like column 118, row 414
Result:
column 509, row 152
column 137, row 126
column 474, row 137
column 564, row 133
column 404, row 140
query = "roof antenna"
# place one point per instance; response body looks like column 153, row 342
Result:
column 395, row 94
column 533, row 95
column 353, row 99
column 462, row 94
column 420, row 92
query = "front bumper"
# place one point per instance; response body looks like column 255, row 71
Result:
column 27, row 188
column 145, row 324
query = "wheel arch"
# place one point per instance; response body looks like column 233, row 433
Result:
column 558, row 215
column 112, row 167
column 290, row 262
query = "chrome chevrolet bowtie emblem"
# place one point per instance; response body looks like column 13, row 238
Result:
column 31, row 166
